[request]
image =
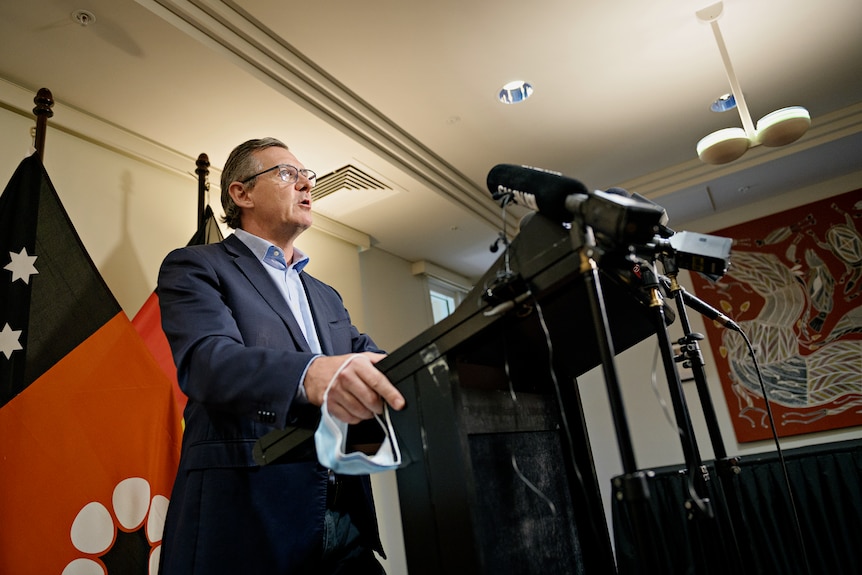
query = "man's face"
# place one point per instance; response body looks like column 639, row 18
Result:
column 276, row 206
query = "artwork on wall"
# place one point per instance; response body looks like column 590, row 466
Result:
column 795, row 287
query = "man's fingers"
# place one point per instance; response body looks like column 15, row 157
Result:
column 372, row 356
column 348, row 409
column 380, row 384
column 354, row 394
column 358, row 391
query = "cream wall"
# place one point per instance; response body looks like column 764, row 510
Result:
column 397, row 306
column 128, row 213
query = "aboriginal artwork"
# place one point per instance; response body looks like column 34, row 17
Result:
column 794, row 288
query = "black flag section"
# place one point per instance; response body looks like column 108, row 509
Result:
column 48, row 281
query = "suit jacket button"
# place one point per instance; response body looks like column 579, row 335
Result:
column 266, row 416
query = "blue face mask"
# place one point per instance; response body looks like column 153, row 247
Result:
column 330, row 441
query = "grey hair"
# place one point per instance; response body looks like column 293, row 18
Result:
column 239, row 165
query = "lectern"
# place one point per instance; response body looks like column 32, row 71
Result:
column 499, row 474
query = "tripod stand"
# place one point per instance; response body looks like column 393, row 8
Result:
column 633, row 486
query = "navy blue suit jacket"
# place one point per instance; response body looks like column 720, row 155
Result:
column 240, row 354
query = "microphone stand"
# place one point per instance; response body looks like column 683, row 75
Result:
column 713, row 557
column 632, row 486
column 691, row 453
column 691, row 356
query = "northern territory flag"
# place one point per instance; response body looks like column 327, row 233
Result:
column 89, row 430
column 148, row 320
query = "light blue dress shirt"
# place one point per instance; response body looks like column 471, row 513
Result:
column 286, row 278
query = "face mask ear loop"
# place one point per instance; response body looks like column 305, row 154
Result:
column 385, row 425
column 388, row 432
column 335, row 376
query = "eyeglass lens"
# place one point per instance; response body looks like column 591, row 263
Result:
column 290, row 174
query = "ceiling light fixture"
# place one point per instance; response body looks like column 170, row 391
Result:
column 515, row 92
column 778, row 128
column 723, row 103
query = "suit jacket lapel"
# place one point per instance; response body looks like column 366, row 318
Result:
column 251, row 267
column 317, row 306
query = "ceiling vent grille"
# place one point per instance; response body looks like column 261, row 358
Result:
column 347, row 178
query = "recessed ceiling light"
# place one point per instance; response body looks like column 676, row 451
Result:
column 515, row 92
column 723, row 103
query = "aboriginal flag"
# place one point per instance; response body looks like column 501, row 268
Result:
column 89, row 431
column 148, row 320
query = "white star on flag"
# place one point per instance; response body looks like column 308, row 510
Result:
column 9, row 341
column 22, row 265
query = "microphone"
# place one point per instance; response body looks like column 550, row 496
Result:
column 701, row 306
column 613, row 214
column 708, row 311
column 541, row 190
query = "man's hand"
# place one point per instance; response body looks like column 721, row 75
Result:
column 358, row 391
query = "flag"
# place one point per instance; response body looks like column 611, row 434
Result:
column 89, row 433
column 148, row 320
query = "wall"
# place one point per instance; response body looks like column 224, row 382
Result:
column 397, row 307
column 128, row 213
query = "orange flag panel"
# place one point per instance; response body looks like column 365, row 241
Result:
column 101, row 415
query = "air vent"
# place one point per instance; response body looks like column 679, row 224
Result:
column 347, row 178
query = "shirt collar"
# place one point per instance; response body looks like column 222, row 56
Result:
column 269, row 253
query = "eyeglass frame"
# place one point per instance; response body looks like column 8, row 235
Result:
column 309, row 175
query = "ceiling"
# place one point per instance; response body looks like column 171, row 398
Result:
column 404, row 92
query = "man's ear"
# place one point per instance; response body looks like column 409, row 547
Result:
column 240, row 195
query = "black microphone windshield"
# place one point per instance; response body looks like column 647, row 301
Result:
column 534, row 188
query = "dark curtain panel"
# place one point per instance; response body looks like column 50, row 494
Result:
column 753, row 529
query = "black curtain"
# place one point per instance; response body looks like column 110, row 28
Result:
column 752, row 529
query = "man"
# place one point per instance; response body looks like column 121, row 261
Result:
column 256, row 341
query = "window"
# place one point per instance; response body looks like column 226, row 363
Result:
column 446, row 290
column 442, row 305
column 444, row 298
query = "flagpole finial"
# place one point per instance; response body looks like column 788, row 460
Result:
column 44, row 102
column 203, row 165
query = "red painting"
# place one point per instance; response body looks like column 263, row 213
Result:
column 794, row 288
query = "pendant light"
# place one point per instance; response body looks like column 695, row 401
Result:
column 777, row 128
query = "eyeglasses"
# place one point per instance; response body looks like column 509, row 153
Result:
column 288, row 174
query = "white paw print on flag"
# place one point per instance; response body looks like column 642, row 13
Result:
column 131, row 535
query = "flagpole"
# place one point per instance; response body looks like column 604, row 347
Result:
column 44, row 102
column 203, row 172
